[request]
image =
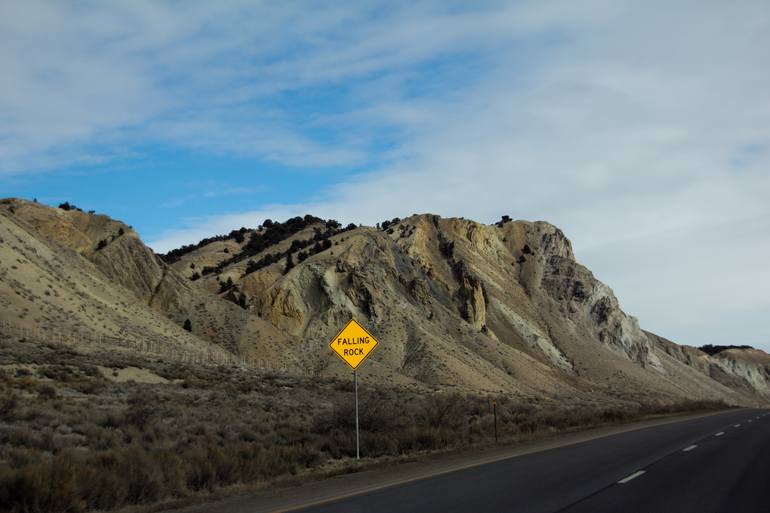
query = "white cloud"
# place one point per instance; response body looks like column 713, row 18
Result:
column 81, row 78
column 643, row 131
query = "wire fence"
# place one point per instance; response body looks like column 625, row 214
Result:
column 73, row 338
column 157, row 348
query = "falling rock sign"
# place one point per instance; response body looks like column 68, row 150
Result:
column 353, row 344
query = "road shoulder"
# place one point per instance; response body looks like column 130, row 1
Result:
column 320, row 491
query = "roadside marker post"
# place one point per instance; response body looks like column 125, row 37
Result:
column 494, row 413
column 353, row 344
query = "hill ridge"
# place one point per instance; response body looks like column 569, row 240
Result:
column 462, row 304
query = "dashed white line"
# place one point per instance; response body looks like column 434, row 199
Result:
column 749, row 420
column 689, row 448
column 720, row 433
column 632, row 476
column 737, row 425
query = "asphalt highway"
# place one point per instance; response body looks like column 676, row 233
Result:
column 718, row 463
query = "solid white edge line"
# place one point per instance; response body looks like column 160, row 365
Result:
column 720, row 433
column 632, row 476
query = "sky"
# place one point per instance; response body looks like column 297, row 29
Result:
column 642, row 129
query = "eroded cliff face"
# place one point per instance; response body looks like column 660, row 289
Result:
column 471, row 297
column 550, row 272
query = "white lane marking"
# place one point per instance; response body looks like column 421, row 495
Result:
column 749, row 420
column 737, row 425
column 720, row 433
column 690, row 448
column 632, row 476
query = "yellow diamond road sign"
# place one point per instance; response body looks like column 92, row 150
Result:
column 353, row 344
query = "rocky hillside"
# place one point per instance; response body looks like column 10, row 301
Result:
column 744, row 368
column 82, row 275
column 454, row 303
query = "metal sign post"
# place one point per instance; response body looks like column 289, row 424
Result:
column 353, row 344
column 358, row 446
column 494, row 412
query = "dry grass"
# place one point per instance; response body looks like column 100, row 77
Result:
column 72, row 440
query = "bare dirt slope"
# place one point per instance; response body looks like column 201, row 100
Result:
column 60, row 278
column 455, row 303
column 50, row 291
